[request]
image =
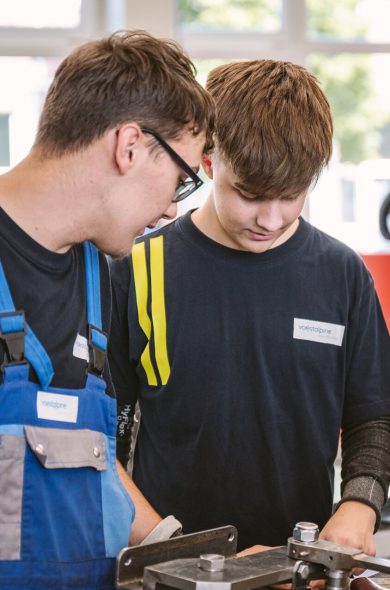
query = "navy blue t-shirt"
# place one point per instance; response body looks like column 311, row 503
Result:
column 50, row 289
column 245, row 366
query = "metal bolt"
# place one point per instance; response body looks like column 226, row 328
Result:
column 306, row 532
column 96, row 452
column 211, row 562
column 337, row 580
column 304, row 570
column 40, row 449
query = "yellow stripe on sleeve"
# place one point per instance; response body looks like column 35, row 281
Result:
column 158, row 307
column 141, row 294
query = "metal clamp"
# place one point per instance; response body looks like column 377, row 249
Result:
column 97, row 344
column 12, row 333
column 181, row 563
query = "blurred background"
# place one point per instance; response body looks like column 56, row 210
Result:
column 345, row 43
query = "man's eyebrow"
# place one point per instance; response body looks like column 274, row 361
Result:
column 242, row 188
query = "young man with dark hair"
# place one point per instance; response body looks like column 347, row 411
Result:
column 119, row 142
column 250, row 338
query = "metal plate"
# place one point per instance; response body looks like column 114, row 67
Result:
column 242, row 573
column 131, row 561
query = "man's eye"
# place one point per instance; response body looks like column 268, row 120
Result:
column 246, row 197
column 289, row 199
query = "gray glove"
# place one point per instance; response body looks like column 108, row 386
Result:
column 166, row 528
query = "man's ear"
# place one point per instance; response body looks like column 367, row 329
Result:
column 129, row 141
column 207, row 165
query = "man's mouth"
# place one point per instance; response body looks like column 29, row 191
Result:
column 260, row 236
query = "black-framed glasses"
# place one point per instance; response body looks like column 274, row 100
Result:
column 185, row 187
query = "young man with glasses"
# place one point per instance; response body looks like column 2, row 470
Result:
column 123, row 126
column 249, row 337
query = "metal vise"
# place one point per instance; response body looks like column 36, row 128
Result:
column 206, row 561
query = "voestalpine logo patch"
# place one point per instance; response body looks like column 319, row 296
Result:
column 55, row 406
column 318, row 331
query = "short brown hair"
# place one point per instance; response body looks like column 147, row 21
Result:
column 130, row 75
column 273, row 125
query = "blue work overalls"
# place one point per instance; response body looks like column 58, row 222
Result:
column 64, row 514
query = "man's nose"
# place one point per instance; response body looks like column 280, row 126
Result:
column 171, row 212
column 269, row 217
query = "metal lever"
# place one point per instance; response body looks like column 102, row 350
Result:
column 334, row 557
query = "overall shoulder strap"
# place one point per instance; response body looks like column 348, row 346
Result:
column 97, row 338
column 19, row 340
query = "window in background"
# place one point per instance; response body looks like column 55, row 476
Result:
column 349, row 20
column 41, row 14
column 204, row 66
column 348, row 198
column 4, row 140
column 234, row 15
column 24, row 81
column 358, row 93
column 34, row 36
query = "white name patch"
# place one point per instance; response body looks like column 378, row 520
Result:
column 55, row 406
column 80, row 348
column 318, row 331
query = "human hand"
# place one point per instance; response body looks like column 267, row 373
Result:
column 253, row 549
column 352, row 525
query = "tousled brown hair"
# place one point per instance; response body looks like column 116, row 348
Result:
column 273, row 125
column 129, row 76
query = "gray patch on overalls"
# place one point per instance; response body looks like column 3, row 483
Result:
column 12, row 453
column 59, row 448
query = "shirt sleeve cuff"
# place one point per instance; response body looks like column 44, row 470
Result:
column 366, row 490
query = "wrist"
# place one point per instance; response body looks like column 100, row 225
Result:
column 358, row 510
column 365, row 490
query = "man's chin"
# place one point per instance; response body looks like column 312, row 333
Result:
column 118, row 251
column 256, row 247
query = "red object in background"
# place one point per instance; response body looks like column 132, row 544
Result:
column 379, row 267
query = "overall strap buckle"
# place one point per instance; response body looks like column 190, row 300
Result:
column 12, row 335
column 97, row 344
